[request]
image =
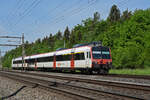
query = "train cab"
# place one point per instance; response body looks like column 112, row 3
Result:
column 101, row 59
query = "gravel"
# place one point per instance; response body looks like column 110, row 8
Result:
column 136, row 93
column 8, row 86
column 94, row 77
column 97, row 77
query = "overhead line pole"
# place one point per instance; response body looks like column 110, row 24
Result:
column 23, row 51
column 22, row 44
column 0, row 60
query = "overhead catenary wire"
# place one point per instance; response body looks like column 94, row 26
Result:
column 13, row 12
column 79, row 10
column 73, row 12
column 62, row 16
column 52, row 10
column 66, row 11
column 28, row 10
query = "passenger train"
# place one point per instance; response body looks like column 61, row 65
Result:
column 88, row 58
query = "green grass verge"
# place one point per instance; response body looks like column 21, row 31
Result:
column 145, row 71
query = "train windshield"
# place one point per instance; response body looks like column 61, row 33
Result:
column 100, row 53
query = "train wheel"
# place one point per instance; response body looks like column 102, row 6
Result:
column 89, row 72
column 106, row 71
column 72, row 71
column 101, row 71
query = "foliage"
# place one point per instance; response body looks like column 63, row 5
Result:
column 114, row 14
column 145, row 71
column 127, row 34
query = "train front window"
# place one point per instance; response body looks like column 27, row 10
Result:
column 100, row 53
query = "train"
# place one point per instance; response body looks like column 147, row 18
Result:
column 88, row 58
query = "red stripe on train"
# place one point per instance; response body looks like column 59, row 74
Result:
column 72, row 62
column 54, row 63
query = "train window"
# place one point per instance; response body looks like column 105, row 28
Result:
column 14, row 62
column 59, row 57
column 79, row 56
column 17, row 62
column 45, row 59
column 31, row 61
column 27, row 60
column 51, row 58
column 63, row 57
column 67, row 57
column 101, row 53
column 89, row 55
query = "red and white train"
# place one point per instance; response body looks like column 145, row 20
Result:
column 86, row 58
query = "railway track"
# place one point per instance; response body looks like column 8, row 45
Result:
column 147, row 77
column 91, row 92
column 75, row 92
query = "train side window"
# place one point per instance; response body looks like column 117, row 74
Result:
column 51, row 58
column 67, row 57
column 31, row 61
column 45, row 59
column 59, row 57
column 79, row 56
column 89, row 55
column 82, row 56
column 14, row 62
column 17, row 62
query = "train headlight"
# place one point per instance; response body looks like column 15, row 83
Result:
column 109, row 62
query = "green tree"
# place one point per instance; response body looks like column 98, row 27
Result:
column 114, row 14
column 126, row 15
column 96, row 17
column 59, row 35
column 66, row 34
column 79, row 36
column 51, row 42
column 72, row 38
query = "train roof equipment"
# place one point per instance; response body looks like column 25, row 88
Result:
column 98, row 43
column 61, row 49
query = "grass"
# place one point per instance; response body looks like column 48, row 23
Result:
column 145, row 71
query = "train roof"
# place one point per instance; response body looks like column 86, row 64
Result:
column 59, row 52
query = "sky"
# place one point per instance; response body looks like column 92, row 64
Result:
column 38, row 18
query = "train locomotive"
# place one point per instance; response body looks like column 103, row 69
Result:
column 88, row 58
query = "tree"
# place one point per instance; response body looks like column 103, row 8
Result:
column 66, row 34
column 38, row 41
column 96, row 17
column 59, row 35
column 72, row 38
column 51, row 41
column 126, row 15
column 79, row 36
column 114, row 14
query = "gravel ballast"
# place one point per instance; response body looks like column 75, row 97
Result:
column 8, row 87
column 125, row 91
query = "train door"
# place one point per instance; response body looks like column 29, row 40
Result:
column 87, row 58
column 35, row 64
